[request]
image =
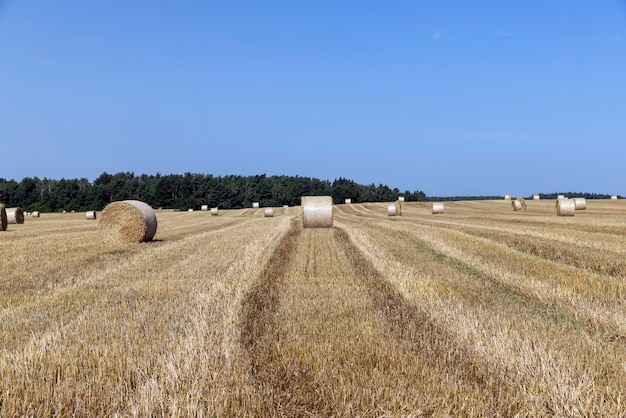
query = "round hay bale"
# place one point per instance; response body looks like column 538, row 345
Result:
column 348, row 201
column 394, row 209
column 64, row 211
column 190, row 210
column 3, row 218
column 561, row 197
column 580, row 203
column 15, row 215
column 269, row 212
column 35, row 214
column 255, row 205
column 518, row 204
column 204, row 207
column 214, row 211
column 285, row 206
column 437, row 208
column 614, row 197
column 401, row 198
column 536, row 197
column 565, row 207
column 127, row 221
column 90, row 215
column 317, row 211
column 507, row 197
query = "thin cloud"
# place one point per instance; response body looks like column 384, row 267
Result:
column 436, row 35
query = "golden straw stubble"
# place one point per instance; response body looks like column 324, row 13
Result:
column 127, row 221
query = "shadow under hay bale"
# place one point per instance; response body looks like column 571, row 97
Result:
column 317, row 211
column 127, row 221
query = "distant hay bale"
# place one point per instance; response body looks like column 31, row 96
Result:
column 507, row 197
column 285, row 206
column 255, row 205
column 317, row 211
column 127, row 221
column 394, row 209
column 190, row 210
column 3, row 218
column 35, row 214
column 580, row 203
column 401, row 198
column 214, row 211
column 64, row 211
column 565, row 207
column 536, row 197
column 90, row 215
column 437, row 208
column 348, row 201
column 269, row 212
column 518, row 204
column 613, row 197
column 204, row 207
column 15, row 215
column 561, row 197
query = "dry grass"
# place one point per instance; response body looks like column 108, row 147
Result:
column 479, row 313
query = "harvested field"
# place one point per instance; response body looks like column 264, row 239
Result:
column 483, row 312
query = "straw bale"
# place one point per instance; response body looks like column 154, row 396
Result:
column 255, row 205
column 285, row 206
column 507, row 197
column 269, row 212
column 561, row 197
column 3, row 218
column 565, row 207
column 127, row 221
column 15, row 215
column 536, row 197
column 580, row 203
column 518, row 204
column 394, row 209
column 614, row 197
column 35, row 214
column 190, row 210
column 401, row 198
column 348, row 201
column 64, row 211
column 214, row 211
column 317, row 211
column 437, row 208
column 204, row 207
column 90, row 215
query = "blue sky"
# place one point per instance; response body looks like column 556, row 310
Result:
column 447, row 97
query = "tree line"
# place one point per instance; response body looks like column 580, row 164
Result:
column 189, row 190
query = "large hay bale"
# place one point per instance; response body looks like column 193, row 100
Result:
column 90, row 215
column 507, row 197
column 565, row 207
column 269, row 212
column 127, row 221
column 204, row 207
column 36, row 214
column 580, row 203
column 518, row 204
column 255, row 205
column 15, row 215
column 613, row 197
column 394, row 209
column 401, row 198
column 536, row 197
column 317, row 211
column 3, row 218
column 348, row 201
column 214, row 211
column 437, row 208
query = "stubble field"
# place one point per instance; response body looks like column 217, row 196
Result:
column 480, row 311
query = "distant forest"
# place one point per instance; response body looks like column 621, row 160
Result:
column 186, row 191
column 549, row 196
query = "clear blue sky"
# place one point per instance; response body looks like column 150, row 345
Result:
column 447, row 97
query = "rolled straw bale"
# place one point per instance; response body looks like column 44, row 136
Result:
column 255, row 205
column 35, row 214
column 437, row 208
column 190, row 210
column 15, row 215
column 518, row 204
column 580, row 203
column 348, row 201
column 614, row 197
column 394, row 209
column 204, row 207
column 90, row 215
column 285, row 206
column 3, row 218
column 565, row 207
column 556, row 202
column 64, row 211
column 214, row 211
column 507, row 197
column 317, row 211
column 561, row 197
column 536, row 197
column 401, row 198
column 269, row 212
column 127, row 221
